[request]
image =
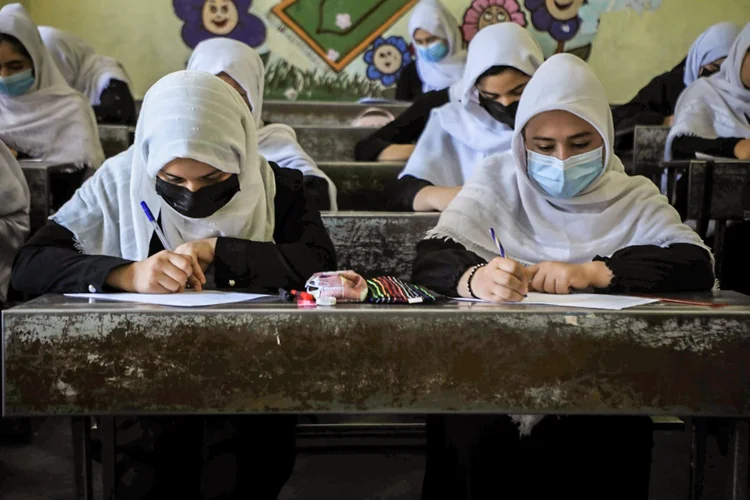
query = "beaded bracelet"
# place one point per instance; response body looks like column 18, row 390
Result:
column 471, row 277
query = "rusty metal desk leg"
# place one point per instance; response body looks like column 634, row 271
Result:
column 720, row 232
column 738, row 456
column 698, row 436
column 109, row 479
column 81, row 427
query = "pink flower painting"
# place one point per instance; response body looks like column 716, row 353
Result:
column 483, row 13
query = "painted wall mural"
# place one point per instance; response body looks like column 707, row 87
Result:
column 347, row 49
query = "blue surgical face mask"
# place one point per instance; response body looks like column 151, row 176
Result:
column 565, row 178
column 434, row 52
column 17, row 84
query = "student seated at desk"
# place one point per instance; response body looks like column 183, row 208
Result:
column 101, row 79
column 561, row 203
column 228, row 213
column 460, row 134
column 14, row 215
column 41, row 117
column 440, row 55
column 655, row 103
column 241, row 67
column 713, row 114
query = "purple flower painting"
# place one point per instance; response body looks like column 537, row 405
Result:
column 559, row 18
column 206, row 19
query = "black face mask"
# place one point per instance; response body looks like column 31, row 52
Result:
column 503, row 114
column 202, row 203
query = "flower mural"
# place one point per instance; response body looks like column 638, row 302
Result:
column 206, row 19
column 559, row 18
column 482, row 13
column 385, row 59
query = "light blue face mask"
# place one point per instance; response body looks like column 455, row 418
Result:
column 565, row 178
column 17, row 84
column 434, row 52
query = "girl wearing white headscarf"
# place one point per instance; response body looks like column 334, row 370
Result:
column 561, row 204
column 241, row 66
column 655, row 103
column 713, row 114
column 101, row 79
column 41, row 117
column 440, row 55
column 478, row 124
column 14, row 215
column 228, row 214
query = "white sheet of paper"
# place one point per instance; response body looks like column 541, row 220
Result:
column 705, row 157
column 582, row 300
column 184, row 299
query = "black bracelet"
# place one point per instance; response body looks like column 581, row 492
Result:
column 471, row 277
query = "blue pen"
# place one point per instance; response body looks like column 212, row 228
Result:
column 157, row 229
column 497, row 242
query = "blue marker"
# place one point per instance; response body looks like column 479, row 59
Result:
column 497, row 242
column 157, row 229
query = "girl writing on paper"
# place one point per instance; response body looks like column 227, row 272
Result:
column 41, row 117
column 229, row 214
column 479, row 123
column 101, row 79
column 242, row 68
column 562, row 205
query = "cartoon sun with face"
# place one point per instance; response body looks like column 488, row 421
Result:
column 483, row 13
column 220, row 17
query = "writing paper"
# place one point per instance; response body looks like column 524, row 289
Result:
column 582, row 300
column 184, row 299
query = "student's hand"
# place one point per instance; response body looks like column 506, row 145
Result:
column 202, row 250
column 164, row 272
column 434, row 198
column 742, row 150
column 560, row 278
column 396, row 152
column 668, row 121
column 501, row 280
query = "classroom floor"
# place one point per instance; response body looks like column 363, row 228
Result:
column 43, row 470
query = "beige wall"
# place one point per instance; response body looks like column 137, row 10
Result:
column 629, row 49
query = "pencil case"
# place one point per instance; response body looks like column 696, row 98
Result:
column 390, row 290
column 343, row 286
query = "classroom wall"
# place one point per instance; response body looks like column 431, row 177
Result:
column 627, row 42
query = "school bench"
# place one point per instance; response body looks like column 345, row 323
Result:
column 65, row 356
column 321, row 113
column 362, row 185
column 376, row 244
column 649, row 143
column 115, row 138
column 330, row 143
column 50, row 186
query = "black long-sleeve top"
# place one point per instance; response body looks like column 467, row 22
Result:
column 116, row 106
column 684, row 147
column 50, row 262
column 405, row 129
column 409, row 85
column 681, row 267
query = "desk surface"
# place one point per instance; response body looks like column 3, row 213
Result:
column 69, row 356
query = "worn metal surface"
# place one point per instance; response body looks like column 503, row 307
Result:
column 377, row 244
column 115, row 138
column 322, row 114
column 715, row 189
column 69, row 356
column 50, row 186
column 649, row 143
column 363, row 186
column 330, row 143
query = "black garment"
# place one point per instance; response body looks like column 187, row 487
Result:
column 681, row 267
column 317, row 190
column 684, row 147
column 404, row 192
column 405, row 129
column 654, row 102
column 471, row 457
column 49, row 262
column 409, row 85
column 116, row 105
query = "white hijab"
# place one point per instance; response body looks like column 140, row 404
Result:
column 614, row 212
column 432, row 16
column 461, row 133
column 14, row 214
column 277, row 143
column 51, row 121
column 718, row 106
column 84, row 70
column 712, row 44
column 187, row 114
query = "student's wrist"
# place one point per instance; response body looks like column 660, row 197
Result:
column 599, row 275
column 121, row 277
